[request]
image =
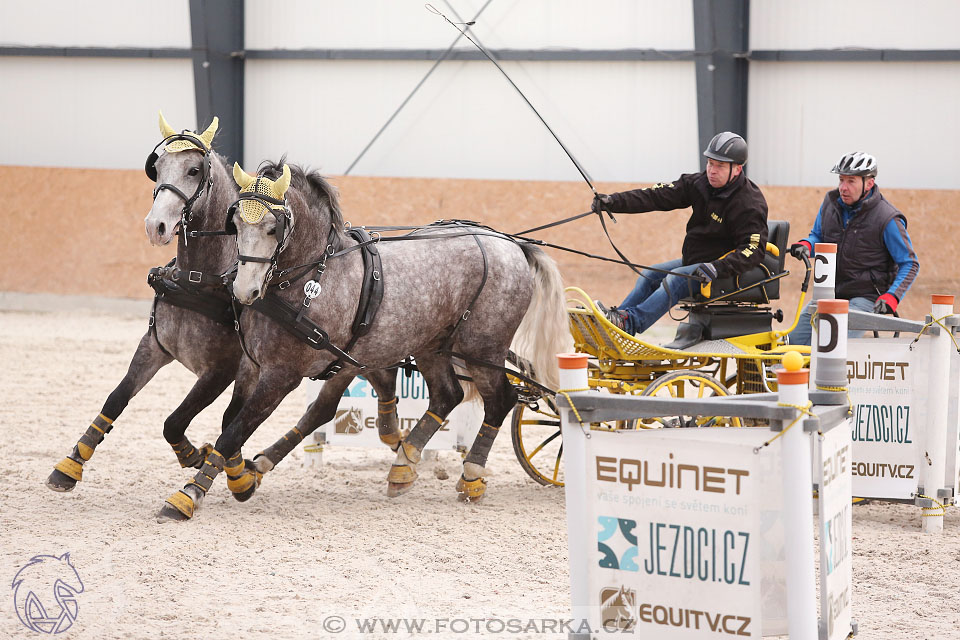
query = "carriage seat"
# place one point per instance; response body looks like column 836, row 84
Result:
column 778, row 232
column 740, row 314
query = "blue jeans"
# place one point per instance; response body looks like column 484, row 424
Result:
column 801, row 335
column 655, row 293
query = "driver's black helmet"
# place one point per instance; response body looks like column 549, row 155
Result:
column 727, row 147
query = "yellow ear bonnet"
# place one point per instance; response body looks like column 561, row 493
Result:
column 253, row 211
column 182, row 145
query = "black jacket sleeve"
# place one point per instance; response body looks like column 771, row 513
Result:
column 663, row 196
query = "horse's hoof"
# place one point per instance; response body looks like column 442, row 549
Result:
column 245, row 485
column 245, row 495
column 169, row 514
column 395, row 489
column 60, row 482
column 178, row 507
column 261, row 463
column 471, row 490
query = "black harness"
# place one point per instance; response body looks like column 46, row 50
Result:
column 293, row 319
column 196, row 291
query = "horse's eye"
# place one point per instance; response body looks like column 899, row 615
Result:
column 193, row 171
column 272, row 232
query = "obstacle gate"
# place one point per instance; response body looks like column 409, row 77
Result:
column 904, row 382
column 679, row 533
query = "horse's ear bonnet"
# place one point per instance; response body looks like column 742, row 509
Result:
column 187, row 140
column 265, row 193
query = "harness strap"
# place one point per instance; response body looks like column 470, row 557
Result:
column 153, row 325
column 194, row 291
column 490, row 365
column 466, row 314
column 303, row 328
column 371, row 295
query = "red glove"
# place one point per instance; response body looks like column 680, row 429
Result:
column 887, row 303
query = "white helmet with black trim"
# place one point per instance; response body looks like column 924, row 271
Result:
column 857, row 163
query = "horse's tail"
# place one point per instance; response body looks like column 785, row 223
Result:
column 544, row 331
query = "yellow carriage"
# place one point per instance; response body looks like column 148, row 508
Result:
column 726, row 345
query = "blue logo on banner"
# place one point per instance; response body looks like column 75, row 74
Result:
column 45, row 594
column 617, row 543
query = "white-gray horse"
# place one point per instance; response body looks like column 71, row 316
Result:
column 193, row 186
column 453, row 288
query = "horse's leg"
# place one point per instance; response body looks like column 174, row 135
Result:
column 445, row 394
column 147, row 360
column 499, row 397
column 384, row 381
column 323, row 409
column 272, row 386
column 208, row 388
column 320, row 411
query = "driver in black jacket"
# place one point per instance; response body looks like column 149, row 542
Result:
column 726, row 234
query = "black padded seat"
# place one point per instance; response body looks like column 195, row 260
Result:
column 778, row 232
column 740, row 314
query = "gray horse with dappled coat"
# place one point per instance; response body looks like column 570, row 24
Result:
column 193, row 189
column 448, row 289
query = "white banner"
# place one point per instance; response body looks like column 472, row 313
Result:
column 687, row 533
column 888, row 381
column 952, row 475
column 354, row 424
column 836, row 575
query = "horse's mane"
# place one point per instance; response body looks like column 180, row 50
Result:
column 315, row 187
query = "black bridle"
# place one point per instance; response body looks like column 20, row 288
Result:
column 284, row 228
column 206, row 180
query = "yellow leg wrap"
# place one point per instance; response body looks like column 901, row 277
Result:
column 235, row 470
column 242, row 483
column 471, row 490
column 70, row 467
column 182, row 503
column 392, row 440
column 85, row 452
column 401, row 474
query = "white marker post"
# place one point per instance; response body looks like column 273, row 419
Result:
column 824, row 271
column 934, row 461
column 573, row 375
column 824, row 282
column 798, row 512
column 831, row 345
column 833, row 476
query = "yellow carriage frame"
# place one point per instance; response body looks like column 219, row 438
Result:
column 621, row 363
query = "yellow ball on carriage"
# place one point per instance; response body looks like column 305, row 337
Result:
column 792, row 361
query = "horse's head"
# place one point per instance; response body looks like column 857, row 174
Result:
column 182, row 174
column 263, row 224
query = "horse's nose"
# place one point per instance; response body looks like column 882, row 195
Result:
column 255, row 294
column 161, row 229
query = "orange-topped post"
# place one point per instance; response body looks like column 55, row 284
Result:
column 933, row 474
column 573, row 370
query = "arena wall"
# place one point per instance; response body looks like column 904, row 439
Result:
column 80, row 231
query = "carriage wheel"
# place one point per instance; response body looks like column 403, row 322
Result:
column 690, row 384
column 537, row 441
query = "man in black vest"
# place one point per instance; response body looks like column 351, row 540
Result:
column 876, row 263
column 726, row 233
